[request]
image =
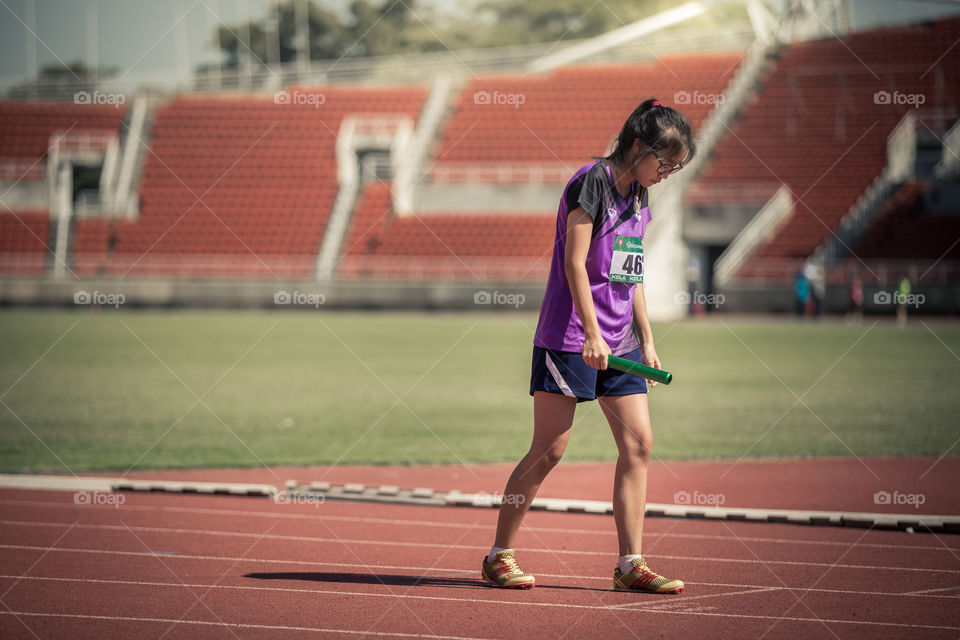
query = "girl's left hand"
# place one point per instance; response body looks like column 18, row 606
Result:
column 651, row 360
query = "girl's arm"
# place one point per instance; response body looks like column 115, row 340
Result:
column 579, row 232
column 642, row 324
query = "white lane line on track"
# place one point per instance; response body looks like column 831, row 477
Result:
column 393, row 543
column 435, row 523
column 470, row 573
column 901, row 625
column 454, row 572
column 930, row 591
column 679, row 600
column 239, row 625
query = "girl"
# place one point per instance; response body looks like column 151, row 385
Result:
column 594, row 306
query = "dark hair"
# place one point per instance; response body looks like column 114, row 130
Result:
column 658, row 127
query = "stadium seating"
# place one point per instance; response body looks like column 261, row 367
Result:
column 25, row 127
column 25, row 131
column 24, row 238
column 442, row 246
column 820, row 126
column 238, row 187
column 568, row 115
column 907, row 230
column 518, row 129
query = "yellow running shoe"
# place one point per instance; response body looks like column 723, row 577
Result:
column 504, row 572
column 640, row 578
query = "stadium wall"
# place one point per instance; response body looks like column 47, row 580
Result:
column 486, row 198
column 281, row 295
column 938, row 299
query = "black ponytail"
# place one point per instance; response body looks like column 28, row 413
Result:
column 658, row 127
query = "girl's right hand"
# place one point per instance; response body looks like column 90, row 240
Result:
column 595, row 352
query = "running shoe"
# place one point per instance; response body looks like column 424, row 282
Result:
column 641, row 578
column 504, row 572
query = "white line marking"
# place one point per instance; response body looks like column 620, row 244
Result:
column 481, row 601
column 469, row 572
column 458, row 525
column 928, row 591
column 240, row 625
column 677, row 600
column 394, row 543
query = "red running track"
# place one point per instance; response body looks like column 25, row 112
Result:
column 189, row 566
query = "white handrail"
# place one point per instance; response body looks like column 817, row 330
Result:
column 408, row 162
column 761, row 227
column 121, row 199
column 348, row 179
column 949, row 164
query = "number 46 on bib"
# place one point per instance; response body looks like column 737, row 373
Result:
column 626, row 264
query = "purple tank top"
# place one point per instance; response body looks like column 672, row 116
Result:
column 613, row 265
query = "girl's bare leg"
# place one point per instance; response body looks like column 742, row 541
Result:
column 552, row 419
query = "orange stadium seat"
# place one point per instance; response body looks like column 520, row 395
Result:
column 816, row 127
column 570, row 114
column 24, row 242
column 459, row 246
column 244, row 185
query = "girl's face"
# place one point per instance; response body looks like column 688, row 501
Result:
column 652, row 166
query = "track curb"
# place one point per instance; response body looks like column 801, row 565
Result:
column 424, row 496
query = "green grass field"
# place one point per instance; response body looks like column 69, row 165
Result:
column 119, row 390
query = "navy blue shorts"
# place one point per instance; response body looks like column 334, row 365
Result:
column 567, row 373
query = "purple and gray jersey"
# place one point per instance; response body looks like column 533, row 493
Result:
column 614, row 263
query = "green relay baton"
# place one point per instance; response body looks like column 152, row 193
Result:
column 637, row 369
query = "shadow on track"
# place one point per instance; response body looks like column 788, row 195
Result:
column 393, row 580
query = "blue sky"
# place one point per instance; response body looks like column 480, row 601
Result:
column 159, row 41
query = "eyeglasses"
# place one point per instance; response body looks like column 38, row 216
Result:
column 663, row 168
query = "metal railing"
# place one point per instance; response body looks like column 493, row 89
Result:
column 949, row 164
column 901, row 160
column 409, row 164
column 761, row 227
column 389, row 69
column 739, row 88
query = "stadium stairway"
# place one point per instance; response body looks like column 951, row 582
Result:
column 26, row 130
column 523, row 134
column 819, row 125
column 237, row 187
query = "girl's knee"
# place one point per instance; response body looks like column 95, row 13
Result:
column 636, row 451
column 543, row 462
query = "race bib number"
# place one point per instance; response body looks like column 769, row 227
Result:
column 627, row 262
